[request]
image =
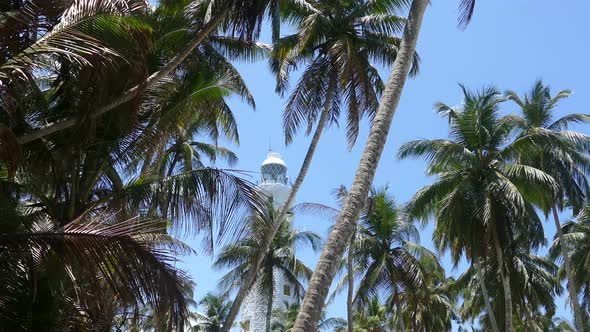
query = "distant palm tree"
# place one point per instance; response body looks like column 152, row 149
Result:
column 216, row 310
column 564, row 156
column 561, row 325
column 285, row 318
column 387, row 254
column 576, row 234
column 534, row 286
column 430, row 307
column 373, row 317
column 241, row 255
column 483, row 198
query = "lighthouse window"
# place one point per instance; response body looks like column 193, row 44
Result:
column 246, row 325
column 287, row 290
column 274, row 173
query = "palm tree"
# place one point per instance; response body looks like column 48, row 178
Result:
column 576, row 234
column 373, row 317
column 481, row 195
column 71, row 199
column 216, row 310
column 565, row 159
column 241, row 256
column 337, row 41
column 430, row 307
column 240, row 18
column 285, row 318
column 534, row 286
column 387, row 254
column 146, row 319
column 337, row 242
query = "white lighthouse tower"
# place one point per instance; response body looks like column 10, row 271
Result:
column 275, row 183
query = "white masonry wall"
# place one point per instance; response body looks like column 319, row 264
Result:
column 254, row 307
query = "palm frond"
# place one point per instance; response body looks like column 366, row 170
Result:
column 119, row 255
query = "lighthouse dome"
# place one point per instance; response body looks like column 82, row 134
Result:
column 274, row 169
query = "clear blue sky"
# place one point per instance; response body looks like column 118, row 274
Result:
column 509, row 44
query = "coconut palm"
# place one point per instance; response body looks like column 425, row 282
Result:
column 576, row 234
column 285, row 318
column 534, row 286
column 241, row 256
column 216, row 309
column 337, row 44
column 336, row 244
column 67, row 198
column 336, row 41
column 328, row 264
column 564, row 157
column 386, row 253
column 430, row 307
column 481, row 196
column 372, row 318
column 146, row 319
column 239, row 18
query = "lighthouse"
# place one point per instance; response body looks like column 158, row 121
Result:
column 275, row 183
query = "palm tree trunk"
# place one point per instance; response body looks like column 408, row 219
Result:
column 336, row 244
column 505, row 283
column 268, row 238
column 128, row 95
column 350, row 295
column 571, row 286
column 486, row 297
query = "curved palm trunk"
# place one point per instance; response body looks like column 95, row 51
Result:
column 571, row 287
column 249, row 279
column 505, row 284
column 327, row 265
column 350, row 295
column 128, row 95
column 486, row 297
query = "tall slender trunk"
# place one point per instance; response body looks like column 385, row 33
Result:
column 267, row 240
column 571, row 286
column 505, row 283
column 350, row 295
column 486, row 296
column 336, row 244
column 128, row 95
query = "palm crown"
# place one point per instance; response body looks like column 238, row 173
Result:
column 338, row 42
column 480, row 190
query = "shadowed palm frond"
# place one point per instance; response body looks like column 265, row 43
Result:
column 128, row 257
